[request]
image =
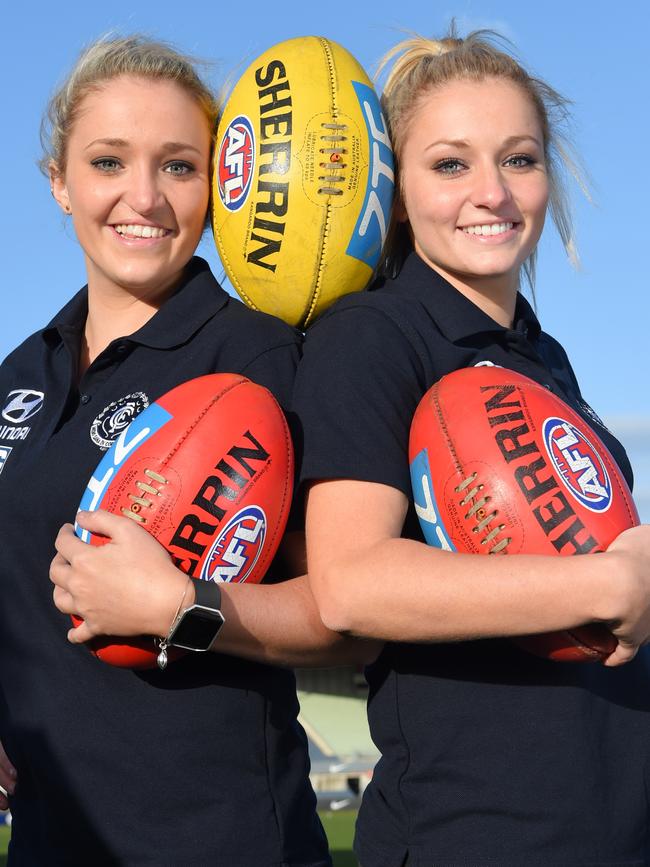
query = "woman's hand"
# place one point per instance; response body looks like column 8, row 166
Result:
column 628, row 603
column 7, row 778
column 128, row 586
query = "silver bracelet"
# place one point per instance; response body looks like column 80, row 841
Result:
column 163, row 643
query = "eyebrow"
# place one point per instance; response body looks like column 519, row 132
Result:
column 170, row 146
column 464, row 144
column 454, row 143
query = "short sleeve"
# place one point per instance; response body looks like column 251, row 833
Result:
column 357, row 388
column 275, row 369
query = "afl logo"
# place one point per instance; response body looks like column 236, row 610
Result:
column 236, row 550
column 578, row 464
column 236, row 163
column 116, row 417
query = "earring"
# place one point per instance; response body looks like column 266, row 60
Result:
column 68, row 209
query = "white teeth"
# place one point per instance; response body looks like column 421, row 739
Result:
column 488, row 229
column 138, row 231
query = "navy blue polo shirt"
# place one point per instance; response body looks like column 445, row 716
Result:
column 490, row 756
column 204, row 763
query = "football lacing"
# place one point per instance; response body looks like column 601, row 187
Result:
column 140, row 502
column 335, row 163
column 477, row 510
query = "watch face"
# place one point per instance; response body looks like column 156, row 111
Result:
column 197, row 629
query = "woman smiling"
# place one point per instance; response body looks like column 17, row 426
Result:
column 490, row 756
column 117, row 766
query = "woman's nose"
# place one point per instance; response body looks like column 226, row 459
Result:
column 144, row 194
column 490, row 189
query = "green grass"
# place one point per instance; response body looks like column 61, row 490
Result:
column 339, row 828
column 5, row 833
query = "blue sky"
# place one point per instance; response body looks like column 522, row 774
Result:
column 592, row 54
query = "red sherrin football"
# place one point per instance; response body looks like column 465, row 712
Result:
column 500, row 465
column 208, row 470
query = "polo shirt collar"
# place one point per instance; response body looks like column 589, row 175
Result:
column 196, row 300
column 456, row 316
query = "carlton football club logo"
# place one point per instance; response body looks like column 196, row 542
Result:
column 578, row 463
column 236, row 163
column 21, row 404
column 116, row 417
column 237, row 548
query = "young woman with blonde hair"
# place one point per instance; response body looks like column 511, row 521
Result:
column 203, row 763
column 489, row 755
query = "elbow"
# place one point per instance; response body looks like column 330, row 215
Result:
column 332, row 589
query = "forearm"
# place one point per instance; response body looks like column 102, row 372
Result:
column 130, row 587
column 403, row 590
column 369, row 582
column 280, row 624
column 277, row 624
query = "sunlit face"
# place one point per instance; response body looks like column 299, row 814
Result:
column 137, row 182
column 474, row 183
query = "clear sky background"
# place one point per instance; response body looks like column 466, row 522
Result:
column 595, row 53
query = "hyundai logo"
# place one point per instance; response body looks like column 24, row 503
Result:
column 21, row 404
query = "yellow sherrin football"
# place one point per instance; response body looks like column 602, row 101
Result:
column 303, row 180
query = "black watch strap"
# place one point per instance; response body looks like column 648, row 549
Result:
column 207, row 594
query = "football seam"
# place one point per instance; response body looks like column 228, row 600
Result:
column 315, row 295
column 459, row 468
column 163, row 462
column 444, row 429
column 202, row 414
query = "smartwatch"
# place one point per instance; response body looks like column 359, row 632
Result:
column 197, row 627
